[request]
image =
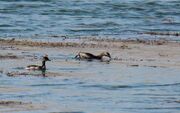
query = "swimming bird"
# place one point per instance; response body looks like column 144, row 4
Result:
column 89, row 56
column 37, row 67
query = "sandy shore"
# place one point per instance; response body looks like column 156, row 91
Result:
column 154, row 53
column 125, row 52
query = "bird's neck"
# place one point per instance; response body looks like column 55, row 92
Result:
column 43, row 64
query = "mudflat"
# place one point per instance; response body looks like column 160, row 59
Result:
column 159, row 53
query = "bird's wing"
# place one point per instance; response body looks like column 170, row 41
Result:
column 33, row 66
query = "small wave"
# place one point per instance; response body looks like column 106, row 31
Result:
column 99, row 24
column 108, row 87
column 98, row 18
column 155, row 108
column 45, row 85
column 115, row 87
column 155, row 85
column 69, row 69
column 69, row 112
column 86, row 29
column 5, row 25
column 66, row 11
column 32, row 95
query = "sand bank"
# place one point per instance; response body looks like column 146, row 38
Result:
column 11, row 106
column 151, row 53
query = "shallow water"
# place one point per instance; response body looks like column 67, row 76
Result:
column 99, row 88
column 89, row 87
column 105, row 18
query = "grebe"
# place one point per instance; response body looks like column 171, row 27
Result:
column 89, row 56
column 37, row 67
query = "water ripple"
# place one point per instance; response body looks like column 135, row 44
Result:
column 70, row 112
column 115, row 87
column 46, row 85
column 101, row 18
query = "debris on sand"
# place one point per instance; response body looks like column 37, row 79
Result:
column 40, row 74
column 8, row 106
column 34, row 73
column 92, row 43
column 152, row 42
column 134, row 65
column 124, row 47
column 8, row 56
column 17, row 73
column 163, row 33
column 6, row 103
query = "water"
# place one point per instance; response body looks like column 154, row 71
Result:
column 91, row 87
column 103, row 18
column 100, row 88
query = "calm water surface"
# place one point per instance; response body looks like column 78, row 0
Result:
column 102, row 18
column 109, row 88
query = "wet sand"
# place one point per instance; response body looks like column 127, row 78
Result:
column 159, row 53
column 11, row 106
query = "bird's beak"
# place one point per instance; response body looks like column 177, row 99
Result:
column 109, row 56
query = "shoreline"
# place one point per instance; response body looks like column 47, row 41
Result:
column 92, row 42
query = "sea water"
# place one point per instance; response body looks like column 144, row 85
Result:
column 120, row 19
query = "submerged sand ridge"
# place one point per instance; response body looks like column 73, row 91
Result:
column 159, row 53
column 10, row 106
column 92, row 43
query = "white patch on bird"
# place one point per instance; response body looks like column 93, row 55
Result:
column 32, row 68
column 105, row 58
column 27, row 68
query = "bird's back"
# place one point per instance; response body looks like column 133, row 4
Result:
column 84, row 55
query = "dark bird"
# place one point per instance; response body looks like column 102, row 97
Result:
column 89, row 56
column 37, row 67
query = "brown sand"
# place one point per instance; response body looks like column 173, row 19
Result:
column 10, row 106
column 159, row 53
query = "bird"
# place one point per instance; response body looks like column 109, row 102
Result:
column 38, row 67
column 89, row 56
